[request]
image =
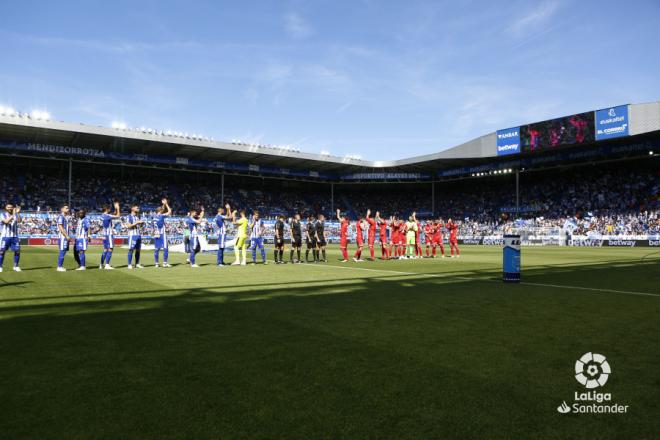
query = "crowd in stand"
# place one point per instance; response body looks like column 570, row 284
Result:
column 608, row 201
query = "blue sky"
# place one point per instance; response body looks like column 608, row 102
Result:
column 380, row 79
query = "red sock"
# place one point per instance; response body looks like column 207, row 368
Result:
column 344, row 252
column 372, row 252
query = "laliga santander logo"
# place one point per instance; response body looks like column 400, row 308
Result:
column 592, row 370
column 611, row 113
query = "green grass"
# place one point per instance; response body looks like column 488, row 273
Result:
column 405, row 349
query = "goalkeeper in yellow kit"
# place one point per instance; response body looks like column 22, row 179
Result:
column 241, row 236
column 411, row 236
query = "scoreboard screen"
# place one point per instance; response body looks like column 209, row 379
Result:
column 546, row 135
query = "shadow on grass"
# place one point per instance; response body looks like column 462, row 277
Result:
column 14, row 284
column 589, row 276
column 386, row 356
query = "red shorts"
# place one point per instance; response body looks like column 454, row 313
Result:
column 383, row 239
column 372, row 240
column 437, row 240
column 343, row 242
column 429, row 239
column 453, row 240
column 360, row 242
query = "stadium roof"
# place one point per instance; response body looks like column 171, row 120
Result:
column 643, row 118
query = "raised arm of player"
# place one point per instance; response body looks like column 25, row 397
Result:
column 368, row 213
column 117, row 214
column 166, row 207
column 339, row 214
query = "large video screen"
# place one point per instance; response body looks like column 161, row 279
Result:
column 546, row 135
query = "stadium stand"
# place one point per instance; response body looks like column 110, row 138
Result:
column 614, row 199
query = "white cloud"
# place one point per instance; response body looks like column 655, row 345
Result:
column 345, row 106
column 533, row 19
column 296, row 26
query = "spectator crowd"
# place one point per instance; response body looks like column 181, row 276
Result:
column 610, row 200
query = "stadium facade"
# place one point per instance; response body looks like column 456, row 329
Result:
column 605, row 134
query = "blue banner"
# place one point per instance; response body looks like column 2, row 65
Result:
column 508, row 141
column 612, row 122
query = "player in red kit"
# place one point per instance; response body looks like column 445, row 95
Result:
column 394, row 235
column 382, row 233
column 401, row 247
column 453, row 237
column 343, row 235
column 359, row 239
column 371, row 235
column 437, row 238
column 429, row 230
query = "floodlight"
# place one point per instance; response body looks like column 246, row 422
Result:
column 40, row 115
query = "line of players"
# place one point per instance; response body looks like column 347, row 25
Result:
column 404, row 239
column 195, row 223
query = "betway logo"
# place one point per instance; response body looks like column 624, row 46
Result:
column 621, row 242
column 507, row 147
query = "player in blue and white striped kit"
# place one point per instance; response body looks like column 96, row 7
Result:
column 160, row 234
column 108, row 231
column 194, row 224
column 134, row 224
column 82, row 240
column 63, row 236
column 9, row 221
column 221, row 231
column 257, row 231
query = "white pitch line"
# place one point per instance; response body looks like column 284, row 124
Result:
column 595, row 289
column 558, row 286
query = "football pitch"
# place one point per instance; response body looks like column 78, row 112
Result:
column 388, row 349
